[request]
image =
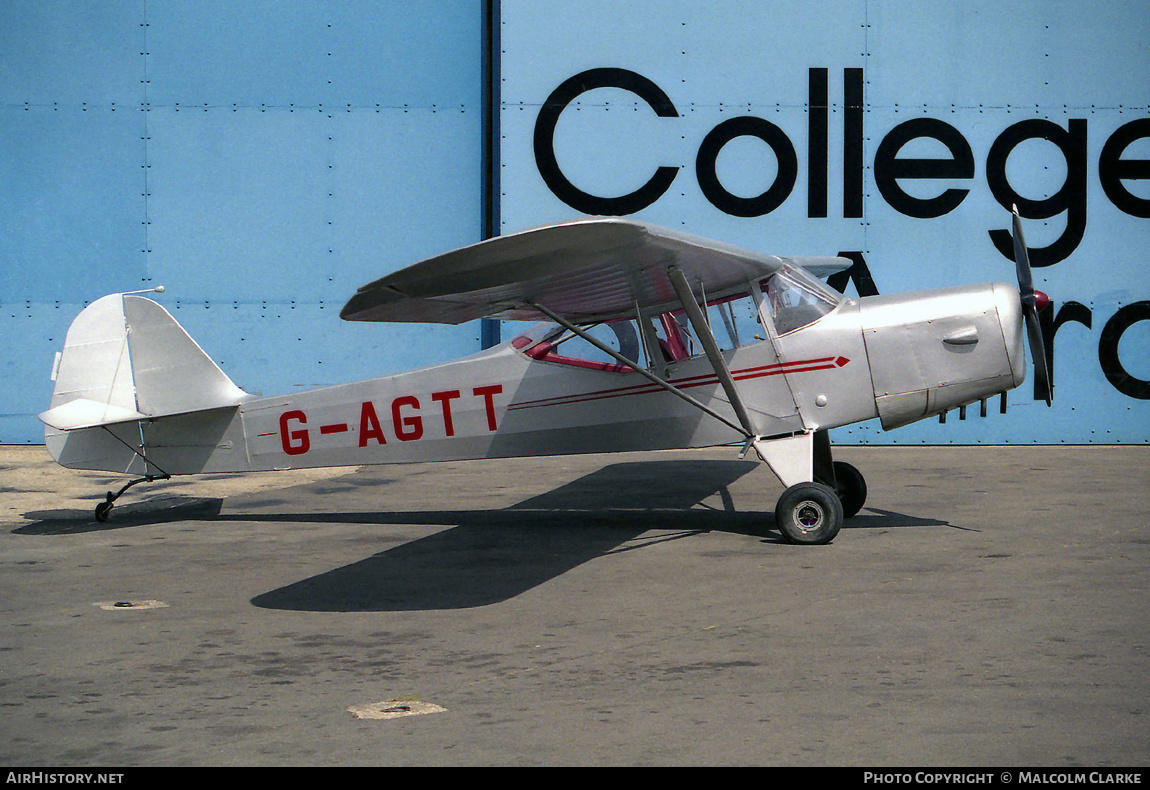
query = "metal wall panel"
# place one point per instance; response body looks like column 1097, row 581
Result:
column 72, row 53
column 941, row 81
column 261, row 160
column 71, row 201
column 246, row 196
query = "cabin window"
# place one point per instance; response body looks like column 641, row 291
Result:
column 733, row 320
column 795, row 300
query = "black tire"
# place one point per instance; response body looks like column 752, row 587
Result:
column 851, row 488
column 809, row 514
column 103, row 511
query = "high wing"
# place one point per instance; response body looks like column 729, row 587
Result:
column 587, row 270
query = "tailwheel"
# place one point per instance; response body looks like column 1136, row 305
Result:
column 850, row 485
column 104, row 509
column 809, row 513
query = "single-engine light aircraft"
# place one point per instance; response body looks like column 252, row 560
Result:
column 652, row 339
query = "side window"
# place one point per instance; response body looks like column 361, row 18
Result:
column 795, row 300
column 735, row 322
column 551, row 343
column 619, row 336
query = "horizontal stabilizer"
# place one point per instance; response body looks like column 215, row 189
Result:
column 818, row 265
column 84, row 413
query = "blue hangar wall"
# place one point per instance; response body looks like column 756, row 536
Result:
column 263, row 159
column 894, row 131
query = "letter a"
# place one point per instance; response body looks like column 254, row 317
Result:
column 369, row 427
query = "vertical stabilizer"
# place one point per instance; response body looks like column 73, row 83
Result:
column 125, row 358
column 94, row 372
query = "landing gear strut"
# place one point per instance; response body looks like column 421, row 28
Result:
column 104, row 509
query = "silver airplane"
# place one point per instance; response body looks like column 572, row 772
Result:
column 652, row 339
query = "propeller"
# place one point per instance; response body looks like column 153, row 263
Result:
column 1032, row 302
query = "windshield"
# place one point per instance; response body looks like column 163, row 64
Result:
column 796, row 301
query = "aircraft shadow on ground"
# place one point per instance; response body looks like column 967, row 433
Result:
column 165, row 510
column 488, row 556
column 492, row 556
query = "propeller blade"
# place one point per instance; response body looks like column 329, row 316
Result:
column 1044, row 389
column 1022, row 262
column 1027, row 296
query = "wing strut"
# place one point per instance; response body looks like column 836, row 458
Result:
column 622, row 360
column 789, row 457
column 766, row 450
column 711, row 348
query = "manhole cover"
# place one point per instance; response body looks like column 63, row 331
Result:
column 393, row 709
column 134, row 605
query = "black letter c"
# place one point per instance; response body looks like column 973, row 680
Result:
column 548, row 119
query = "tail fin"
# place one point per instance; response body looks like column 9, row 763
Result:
column 124, row 359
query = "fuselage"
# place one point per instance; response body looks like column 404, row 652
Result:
column 499, row 403
column 899, row 358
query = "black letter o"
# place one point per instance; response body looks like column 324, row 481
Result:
column 717, row 194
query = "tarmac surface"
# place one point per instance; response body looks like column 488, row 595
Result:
column 987, row 608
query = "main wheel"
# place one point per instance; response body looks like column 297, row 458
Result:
column 851, row 488
column 103, row 510
column 809, row 513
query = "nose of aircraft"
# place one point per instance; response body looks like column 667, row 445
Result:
column 1010, row 318
column 936, row 350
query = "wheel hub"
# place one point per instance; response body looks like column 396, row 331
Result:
column 808, row 515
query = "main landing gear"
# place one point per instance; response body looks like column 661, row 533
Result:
column 813, row 513
column 850, row 488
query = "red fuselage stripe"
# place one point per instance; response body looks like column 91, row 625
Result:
column 744, row 374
